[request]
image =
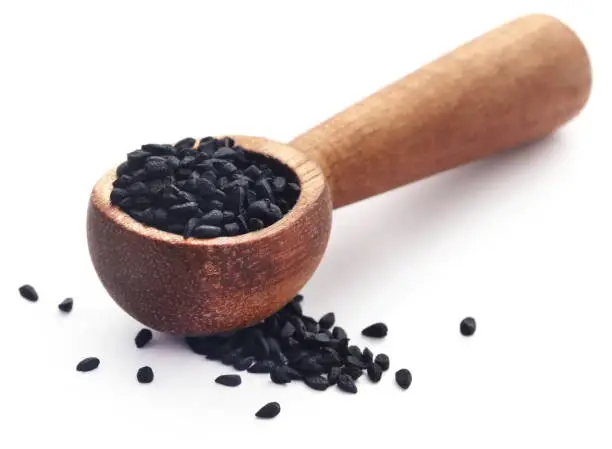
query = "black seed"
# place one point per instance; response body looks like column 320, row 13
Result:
column 376, row 330
column 346, row 383
column 268, row 411
column 374, row 372
column 118, row 194
column 231, row 229
column 263, row 367
column 88, row 364
column 253, row 172
column 352, row 371
column 293, row 373
column 184, row 210
column 225, row 153
column 279, row 375
column 288, row 330
column 66, row 305
column 188, row 142
column 367, row 355
column 122, row 169
column 243, row 363
column 339, row 333
column 468, row 326
column 145, row 375
column 158, row 150
column 256, row 224
column 190, row 226
column 403, row 377
column 143, row 337
column 355, row 352
column 318, row 383
column 137, row 158
column 334, row 375
column 205, row 231
column 212, row 218
column 327, row 320
column 356, row 362
column 231, row 357
column 229, row 380
column 322, row 338
column 382, row 360
column 279, row 183
column 28, row 292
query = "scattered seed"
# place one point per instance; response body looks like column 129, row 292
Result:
column 374, row 372
column 229, row 380
column 316, row 383
column 66, row 305
column 28, row 292
column 346, row 383
column 279, row 375
column 382, row 360
column 376, row 330
column 403, row 377
column 270, row 410
column 468, row 326
column 143, row 337
column 88, row 364
column 327, row 320
column 145, row 375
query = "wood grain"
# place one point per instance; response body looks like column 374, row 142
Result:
column 510, row 86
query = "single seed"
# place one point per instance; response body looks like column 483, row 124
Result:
column 374, row 372
column 327, row 320
column 334, row 375
column 403, row 377
column 367, row 355
column 376, row 330
column 28, row 292
column 145, row 375
column 468, row 326
column 382, row 360
column 318, row 383
column 88, row 364
column 279, row 375
column 268, row 411
column 66, row 305
column 143, row 337
column 262, row 367
column 339, row 333
column 229, row 380
column 346, row 383
column 205, row 231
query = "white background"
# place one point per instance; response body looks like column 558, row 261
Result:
column 521, row 242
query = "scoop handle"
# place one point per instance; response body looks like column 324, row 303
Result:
column 514, row 84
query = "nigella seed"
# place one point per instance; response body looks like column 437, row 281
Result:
column 205, row 231
column 229, row 380
column 66, row 305
column 256, row 224
column 355, row 352
column 145, row 375
column 354, row 361
column 143, row 337
column 347, row 384
column 352, row 371
column 244, row 363
column 279, row 375
column 468, row 326
column 318, row 383
column 339, row 333
column 118, row 194
column 376, row 330
column 382, row 360
column 403, row 377
column 293, row 373
column 374, row 372
column 367, row 355
column 231, row 229
column 288, row 330
column 268, row 411
column 327, row 320
column 187, row 142
column 262, row 367
column 28, row 292
column 334, row 375
column 212, row 218
column 88, row 364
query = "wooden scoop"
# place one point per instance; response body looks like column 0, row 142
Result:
column 510, row 86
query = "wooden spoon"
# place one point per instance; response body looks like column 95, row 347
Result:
column 510, row 86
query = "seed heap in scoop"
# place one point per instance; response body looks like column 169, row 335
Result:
column 204, row 188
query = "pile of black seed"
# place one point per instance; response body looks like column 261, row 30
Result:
column 204, row 188
column 290, row 346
